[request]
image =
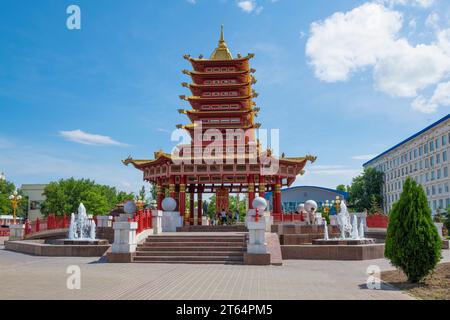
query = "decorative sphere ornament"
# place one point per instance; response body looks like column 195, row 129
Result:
column 129, row 207
column 301, row 208
column 259, row 203
column 169, row 204
column 310, row 206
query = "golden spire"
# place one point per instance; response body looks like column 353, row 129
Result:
column 221, row 52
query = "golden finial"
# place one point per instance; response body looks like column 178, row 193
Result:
column 221, row 52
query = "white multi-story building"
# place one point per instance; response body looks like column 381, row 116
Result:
column 423, row 157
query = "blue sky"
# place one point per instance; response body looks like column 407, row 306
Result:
column 343, row 80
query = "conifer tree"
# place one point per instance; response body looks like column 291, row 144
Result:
column 412, row 242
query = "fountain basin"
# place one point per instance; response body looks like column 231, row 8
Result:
column 346, row 242
column 81, row 242
column 43, row 248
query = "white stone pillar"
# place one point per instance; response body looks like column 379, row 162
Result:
column 104, row 221
column 124, row 237
column 157, row 221
column 16, row 232
column 257, row 236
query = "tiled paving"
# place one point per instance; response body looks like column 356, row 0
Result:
column 29, row 277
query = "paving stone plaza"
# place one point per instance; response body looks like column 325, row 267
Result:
column 31, row 277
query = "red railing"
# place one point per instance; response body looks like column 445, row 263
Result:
column 143, row 219
column 4, row 232
column 50, row 223
column 377, row 221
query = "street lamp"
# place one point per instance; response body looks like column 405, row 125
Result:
column 327, row 206
column 337, row 204
column 15, row 199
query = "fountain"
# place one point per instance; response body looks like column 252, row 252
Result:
column 81, row 228
column 350, row 233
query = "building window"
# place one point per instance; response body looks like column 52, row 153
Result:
column 444, row 156
column 431, row 144
column 438, row 158
column 438, row 144
column 444, row 140
column 445, row 172
column 438, row 173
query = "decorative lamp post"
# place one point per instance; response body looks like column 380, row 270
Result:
column 15, row 199
column 327, row 206
column 140, row 203
column 337, row 204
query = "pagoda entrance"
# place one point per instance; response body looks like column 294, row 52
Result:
column 222, row 201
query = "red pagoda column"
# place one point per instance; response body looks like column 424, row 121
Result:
column 251, row 191
column 191, row 205
column 199, row 207
column 172, row 187
column 182, row 197
column 262, row 187
column 277, row 196
column 159, row 195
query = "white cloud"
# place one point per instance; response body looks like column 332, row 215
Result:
column 368, row 37
column 192, row 1
column 441, row 97
column 347, row 42
column 432, row 20
column 420, row 3
column 89, row 139
column 364, row 157
column 249, row 6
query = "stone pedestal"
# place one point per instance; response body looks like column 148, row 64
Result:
column 123, row 217
column 104, row 221
column 257, row 237
column 157, row 221
column 124, row 237
column 205, row 221
column 171, row 220
column 16, row 232
column 263, row 216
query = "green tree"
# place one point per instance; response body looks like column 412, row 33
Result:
column 341, row 187
column 365, row 188
column 374, row 205
column 6, row 189
column 65, row 195
column 412, row 242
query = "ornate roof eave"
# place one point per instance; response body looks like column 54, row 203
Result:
column 222, row 86
column 208, row 62
column 197, row 98
column 205, row 126
column 198, row 73
column 140, row 164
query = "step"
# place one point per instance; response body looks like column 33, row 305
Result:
column 191, row 262
column 194, row 239
column 188, row 258
column 153, row 248
column 191, row 244
column 190, row 253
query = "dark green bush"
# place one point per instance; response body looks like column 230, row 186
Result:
column 412, row 242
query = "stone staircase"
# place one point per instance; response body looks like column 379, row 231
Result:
column 225, row 228
column 192, row 249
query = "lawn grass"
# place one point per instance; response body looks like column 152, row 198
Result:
column 434, row 287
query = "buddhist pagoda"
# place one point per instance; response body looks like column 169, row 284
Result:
column 224, row 155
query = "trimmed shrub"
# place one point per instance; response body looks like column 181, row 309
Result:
column 412, row 241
